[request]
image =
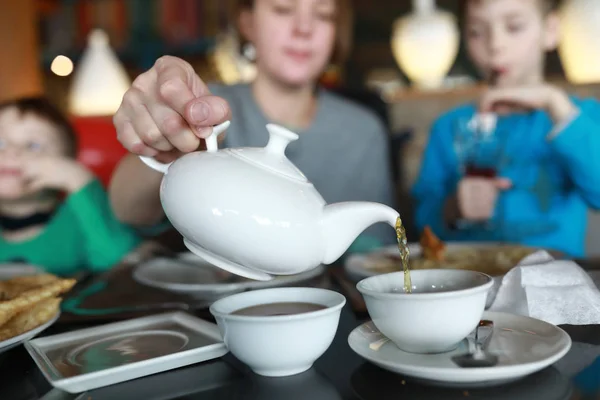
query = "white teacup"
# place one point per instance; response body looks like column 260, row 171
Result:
column 279, row 345
column 443, row 308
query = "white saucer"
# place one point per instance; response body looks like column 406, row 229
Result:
column 8, row 344
column 524, row 345
column 12, row 270
column 191, row 275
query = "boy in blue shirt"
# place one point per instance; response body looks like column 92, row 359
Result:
column 550, row 172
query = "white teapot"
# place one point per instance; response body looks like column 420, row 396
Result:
column 251, row 212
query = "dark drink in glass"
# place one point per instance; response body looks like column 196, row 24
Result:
column 473, row 171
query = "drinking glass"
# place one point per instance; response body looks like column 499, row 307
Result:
column 479, row 147
column 481, row 152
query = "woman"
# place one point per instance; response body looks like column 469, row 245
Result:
column 342, row 149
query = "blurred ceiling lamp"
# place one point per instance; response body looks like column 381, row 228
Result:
column 425, row 44
column 578, row 48
column 100, row 81
column 62, row 66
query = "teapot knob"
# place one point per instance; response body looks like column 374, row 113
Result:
column 279, row 138
column 211, row 141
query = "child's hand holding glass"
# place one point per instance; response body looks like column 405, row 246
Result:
column 479, row 150
column 476, row 197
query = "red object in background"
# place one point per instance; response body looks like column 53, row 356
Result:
column 480, row 172
column 99, row 149
column 331, row 78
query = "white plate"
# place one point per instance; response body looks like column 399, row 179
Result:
column 11, row 270
column 524, row 345
column 191, row 275
column 8, row 344
column 357, row 265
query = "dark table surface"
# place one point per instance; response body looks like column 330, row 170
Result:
column 338, row 374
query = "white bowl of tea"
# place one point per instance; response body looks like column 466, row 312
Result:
column 279, row 332
column 443, row 307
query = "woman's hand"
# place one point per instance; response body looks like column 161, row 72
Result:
column 168, row 109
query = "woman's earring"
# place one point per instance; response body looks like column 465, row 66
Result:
column 249, row 52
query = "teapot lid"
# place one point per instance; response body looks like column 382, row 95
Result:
column 272, row 156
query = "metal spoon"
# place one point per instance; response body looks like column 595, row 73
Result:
column 479, row 356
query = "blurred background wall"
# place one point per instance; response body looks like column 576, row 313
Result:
column 34, row 32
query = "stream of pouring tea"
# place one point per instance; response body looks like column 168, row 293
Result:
column 404, row 254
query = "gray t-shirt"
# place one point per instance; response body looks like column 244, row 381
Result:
column 344, row 153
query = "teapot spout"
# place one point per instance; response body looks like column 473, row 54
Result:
column 343, row 222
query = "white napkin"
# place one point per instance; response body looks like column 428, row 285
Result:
column 555, row 291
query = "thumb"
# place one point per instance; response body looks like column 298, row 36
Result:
column 503, row 183
column 489, row 101
column 207, row 111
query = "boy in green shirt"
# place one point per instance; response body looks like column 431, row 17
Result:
column 53, row 212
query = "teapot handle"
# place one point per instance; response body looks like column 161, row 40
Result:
column 155, row 165
column 211, row 146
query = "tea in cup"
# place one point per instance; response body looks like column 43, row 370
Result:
column 443, row 308
column 279, row 332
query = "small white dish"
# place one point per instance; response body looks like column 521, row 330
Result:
column 91, row 358
column 280, row 345
column 8, row 344
column 191, row 275
column 524, row 346
column 444, row 307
